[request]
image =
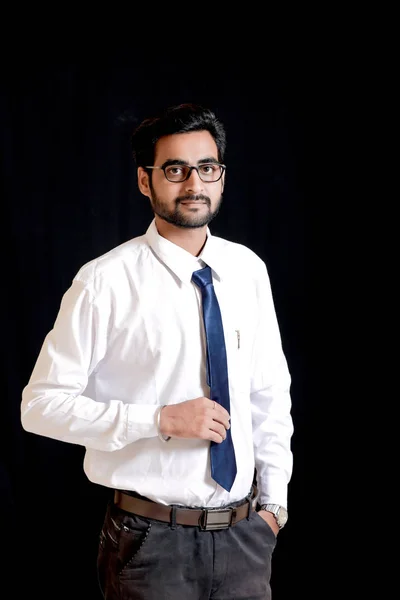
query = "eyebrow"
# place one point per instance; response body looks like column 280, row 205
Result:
column 178, row 161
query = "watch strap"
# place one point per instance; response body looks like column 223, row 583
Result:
column 279, row 512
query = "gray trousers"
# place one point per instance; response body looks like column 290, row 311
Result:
column 145, row 559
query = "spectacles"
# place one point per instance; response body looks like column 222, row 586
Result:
column 208, row 172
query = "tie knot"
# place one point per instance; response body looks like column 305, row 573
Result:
column 202, row 277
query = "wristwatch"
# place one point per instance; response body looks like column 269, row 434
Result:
column 280, row 513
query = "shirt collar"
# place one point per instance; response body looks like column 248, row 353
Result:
column 178, row 260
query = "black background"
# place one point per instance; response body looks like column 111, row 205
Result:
column 69, row 195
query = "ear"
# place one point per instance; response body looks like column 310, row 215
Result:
column 143, row 182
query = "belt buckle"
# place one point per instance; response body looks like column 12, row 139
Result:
column 216, row 518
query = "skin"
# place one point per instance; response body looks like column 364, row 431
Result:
column 182, row 212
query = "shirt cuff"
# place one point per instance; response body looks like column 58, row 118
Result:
column 141, row 421
column 273, row 491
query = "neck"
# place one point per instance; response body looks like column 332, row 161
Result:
column 192, row 239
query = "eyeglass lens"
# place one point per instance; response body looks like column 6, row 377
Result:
column 207, row 172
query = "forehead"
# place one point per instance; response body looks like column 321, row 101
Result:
column 190, row 147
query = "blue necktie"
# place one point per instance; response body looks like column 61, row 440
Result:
column 223, row 461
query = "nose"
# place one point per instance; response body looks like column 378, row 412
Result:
column 194, row 183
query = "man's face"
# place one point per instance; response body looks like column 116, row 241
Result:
column 191, row 203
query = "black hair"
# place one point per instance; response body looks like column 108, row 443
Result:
column 181, row 118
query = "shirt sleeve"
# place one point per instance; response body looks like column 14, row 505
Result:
column 54, row 403
column 271, row 402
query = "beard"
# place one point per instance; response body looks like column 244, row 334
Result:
column 190, row 219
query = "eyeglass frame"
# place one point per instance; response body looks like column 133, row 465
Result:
column 181, row 164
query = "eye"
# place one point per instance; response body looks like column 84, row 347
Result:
column 208, row 169
column 174, row 170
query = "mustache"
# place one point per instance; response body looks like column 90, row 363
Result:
column 194, row 198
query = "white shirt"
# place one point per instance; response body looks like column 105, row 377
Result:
column 129, row 337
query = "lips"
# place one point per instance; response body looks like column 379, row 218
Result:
column 192, row 202
column 195, row 199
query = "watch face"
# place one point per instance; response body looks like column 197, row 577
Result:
column 282, row 516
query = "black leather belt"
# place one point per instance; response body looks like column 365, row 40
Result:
column 204, row 518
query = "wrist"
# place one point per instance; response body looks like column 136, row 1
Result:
column 160, row 424
column 279, row 512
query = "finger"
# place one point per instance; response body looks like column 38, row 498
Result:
column 221, row 417
column 219, row 429
column 218, row 417
column 224, row 422
column 215, row 436
column 218, row 408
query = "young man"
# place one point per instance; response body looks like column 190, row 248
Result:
column 165, row 362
